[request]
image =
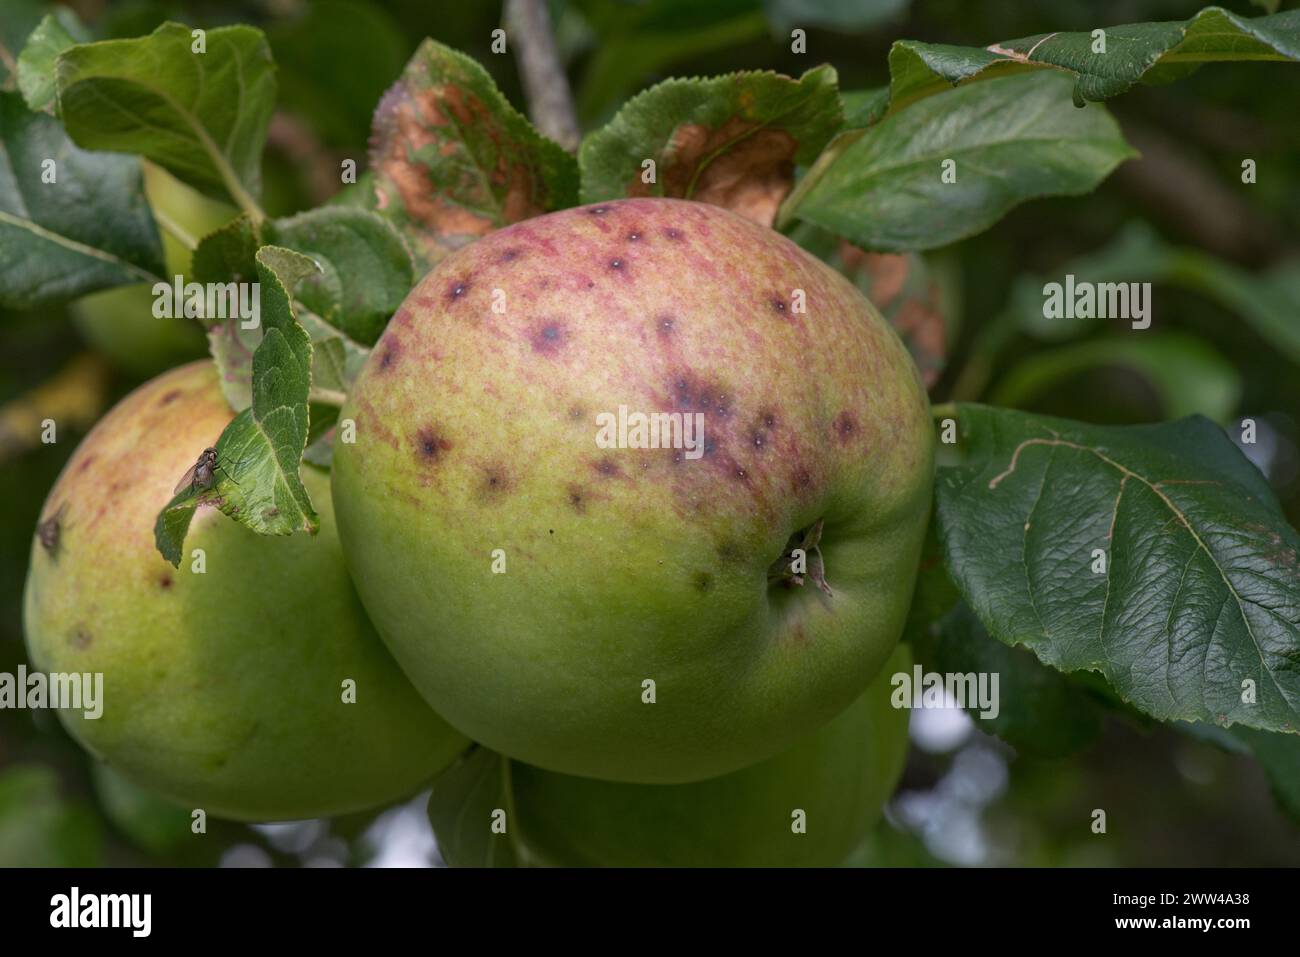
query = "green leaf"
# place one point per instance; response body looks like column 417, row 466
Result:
column 39, row 827
column 1198, row 604
column 461, row 807
column 89, row 229
column 1150, row 52
column 229, row 255
column 1191, row 377
column 261, row 450
column 1012, row 140
column 1279, row 756
column 863, row 108
column 1039, row 711
column 53, row 35
column 453, row 159
column 336, row 359
column 202, row 116
column 733, row 140
column 1269, row 302
column 366, row 270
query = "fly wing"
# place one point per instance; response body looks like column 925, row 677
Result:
column 186, row 481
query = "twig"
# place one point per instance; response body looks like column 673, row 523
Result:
column 550, row 101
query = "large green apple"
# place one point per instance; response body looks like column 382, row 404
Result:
column 222, row 689
column 120, row 322
column 809, row 806
column 636, row 614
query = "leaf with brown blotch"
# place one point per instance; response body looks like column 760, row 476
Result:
column 453, row 160
column 913, row 300
column 733, row 141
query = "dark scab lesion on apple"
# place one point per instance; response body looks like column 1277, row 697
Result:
column 81, row 637
column 606, row 467
column 549, row 338
column 577, row 496
column 457, row 289
column 429, row 445
column 392, row 351
column 496, row 483
column 703, row 582
column 846, row 426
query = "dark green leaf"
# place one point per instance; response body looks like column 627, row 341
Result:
column 1150, row 52
column 1191, row 377
column 203, row 116
column 1039, row 711
column 733, row 141
column 1279, row 755
column 1269, row 302
column 261, row 450
column 453, row 159
column 366, row 270
column 89, row 229
column 1195, row 615
column 461, row 808
column 863, row 108
column 1011, row 140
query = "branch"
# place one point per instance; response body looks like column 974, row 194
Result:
column 550, row 101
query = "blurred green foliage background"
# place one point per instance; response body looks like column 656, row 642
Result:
column 1179, row 216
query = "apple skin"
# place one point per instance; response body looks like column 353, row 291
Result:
column 221, row 690
column 840, row 776
column 120, row 322
column 476, row 431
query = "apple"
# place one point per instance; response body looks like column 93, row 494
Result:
column 839, row 777
column 120, row 322
column 223, row 688
column 636, row 614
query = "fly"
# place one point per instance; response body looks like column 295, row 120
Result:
column 201, row 473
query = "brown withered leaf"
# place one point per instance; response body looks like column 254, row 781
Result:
column 452, row 159
column 733, row 141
